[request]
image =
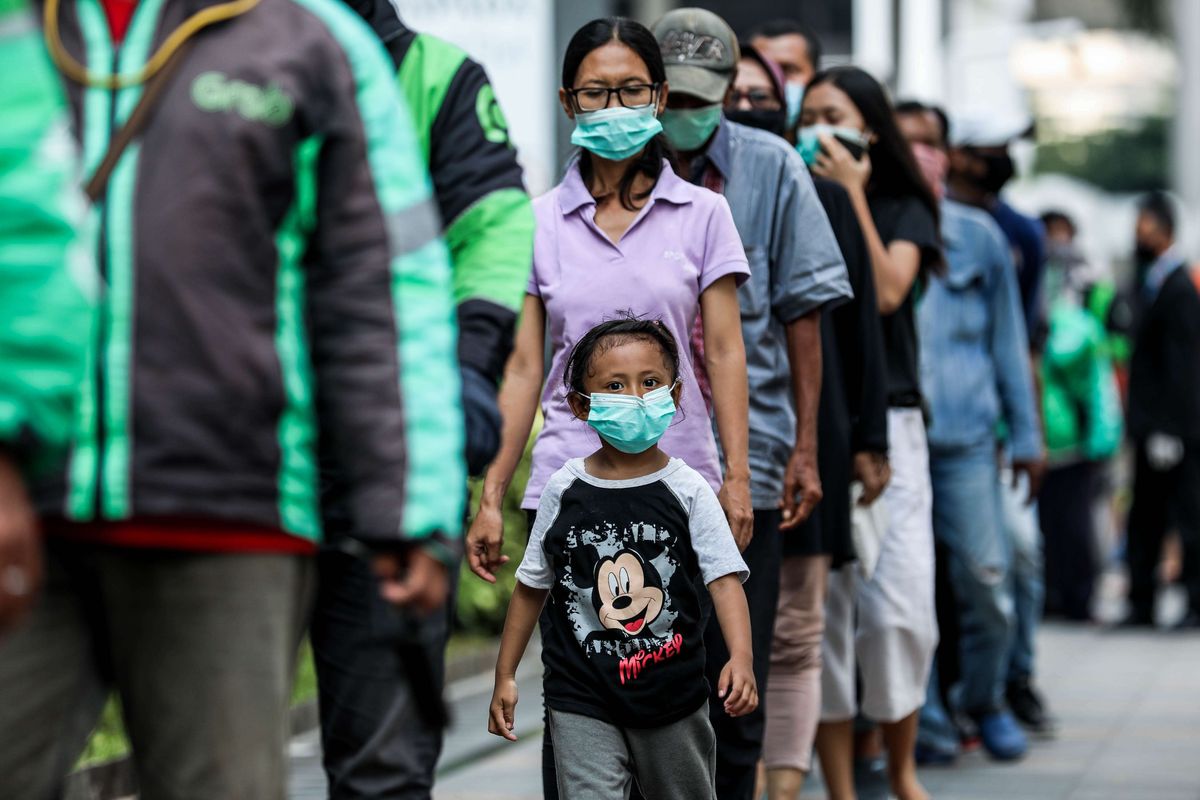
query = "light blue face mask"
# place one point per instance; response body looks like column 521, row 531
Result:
column 630, row 423
column 793, row 95
column 808, row 141
column 616, row 134
column 688, row 129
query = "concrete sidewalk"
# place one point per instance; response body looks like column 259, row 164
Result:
column 1129, row 705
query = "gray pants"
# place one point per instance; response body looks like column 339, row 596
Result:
column 200, row 647
column 598, row 761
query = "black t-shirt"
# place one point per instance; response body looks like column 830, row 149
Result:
column 905, row 219
column 624, row 562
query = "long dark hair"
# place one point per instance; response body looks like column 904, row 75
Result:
column 611, row 333
column 894, row 171
column 639, row 39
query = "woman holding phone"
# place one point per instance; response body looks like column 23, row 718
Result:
column 848, row 134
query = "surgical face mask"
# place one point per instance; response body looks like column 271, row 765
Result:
column 616, row 134
column 773, row 121
column 688, row 129
column 630, row 423
column 794, row 97
column 934, row 163
column 808, row 139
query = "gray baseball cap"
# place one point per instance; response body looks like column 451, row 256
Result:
column 700, row 51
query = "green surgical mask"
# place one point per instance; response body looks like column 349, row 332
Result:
column 615, row 134
column 629, row 423
column 687, row 129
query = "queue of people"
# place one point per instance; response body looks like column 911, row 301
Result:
column 800, row 370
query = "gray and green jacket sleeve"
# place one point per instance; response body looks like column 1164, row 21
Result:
column 349, row 324
column 47, row 283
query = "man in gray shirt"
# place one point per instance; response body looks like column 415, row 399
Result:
column 796, row 269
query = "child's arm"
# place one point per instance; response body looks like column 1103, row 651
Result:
column 737, row 683
column 523, row 611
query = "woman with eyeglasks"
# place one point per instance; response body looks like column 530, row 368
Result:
column 622, row 232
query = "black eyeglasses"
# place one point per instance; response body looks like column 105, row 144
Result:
column 594, row 98
column 762, row 99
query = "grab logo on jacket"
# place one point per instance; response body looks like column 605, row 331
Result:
column 216, row 92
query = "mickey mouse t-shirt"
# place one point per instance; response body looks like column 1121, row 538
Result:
column 624, row 562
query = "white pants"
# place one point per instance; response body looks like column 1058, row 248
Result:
column 895, row 633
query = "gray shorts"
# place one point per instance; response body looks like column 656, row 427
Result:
column 599, row 761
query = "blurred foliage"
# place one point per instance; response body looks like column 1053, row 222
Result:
column 1118, row 160
column 108, row 740
column 482, row 605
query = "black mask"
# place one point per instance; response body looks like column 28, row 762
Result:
column 772, row 121
column 999, row 171
column 1144, row 255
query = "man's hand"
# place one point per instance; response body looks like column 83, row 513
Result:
column 502, row 714
column 735, row 500
column 737, row 687
column 874, row 472
column 412, row 579
column 485, row 537
column 1163, row 452
column 481, row 416
column 20, row 548
column 1034, row 471
column 803, row 480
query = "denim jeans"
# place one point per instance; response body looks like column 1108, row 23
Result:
column 935, row 729
column 967, row 519
column 1028, row 582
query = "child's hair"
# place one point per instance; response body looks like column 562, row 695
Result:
column 612, row 333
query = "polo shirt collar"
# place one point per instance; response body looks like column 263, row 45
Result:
column 573, row 193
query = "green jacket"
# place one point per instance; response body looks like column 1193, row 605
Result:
column 477, row 180
column 278, row 291
column 47, row 279
column 1079, row 394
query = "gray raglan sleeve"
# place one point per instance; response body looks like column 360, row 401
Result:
column 712, row 540
column 535, row 570
column 807, row 270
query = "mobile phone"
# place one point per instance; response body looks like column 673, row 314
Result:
column 856, row 149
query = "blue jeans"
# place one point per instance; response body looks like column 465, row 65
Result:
column 968, row 520
column 935, row 729
column 1028, row 582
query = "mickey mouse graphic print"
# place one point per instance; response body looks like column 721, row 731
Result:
column 626, row 563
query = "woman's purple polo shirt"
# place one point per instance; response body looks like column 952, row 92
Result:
column 682, row 241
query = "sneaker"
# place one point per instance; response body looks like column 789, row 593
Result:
column 968, row 732
column 1134, row 620
column 928, row 755
column 1002, row 736
column 1190, row 622
column 1029, row 708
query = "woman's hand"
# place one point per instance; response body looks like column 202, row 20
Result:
column 503, row 710
column 874, row 471
column 735, row 501
column 737, row 686
column 485, row 537
column 835, row 162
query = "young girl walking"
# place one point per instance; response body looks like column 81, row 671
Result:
column 620, row 539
